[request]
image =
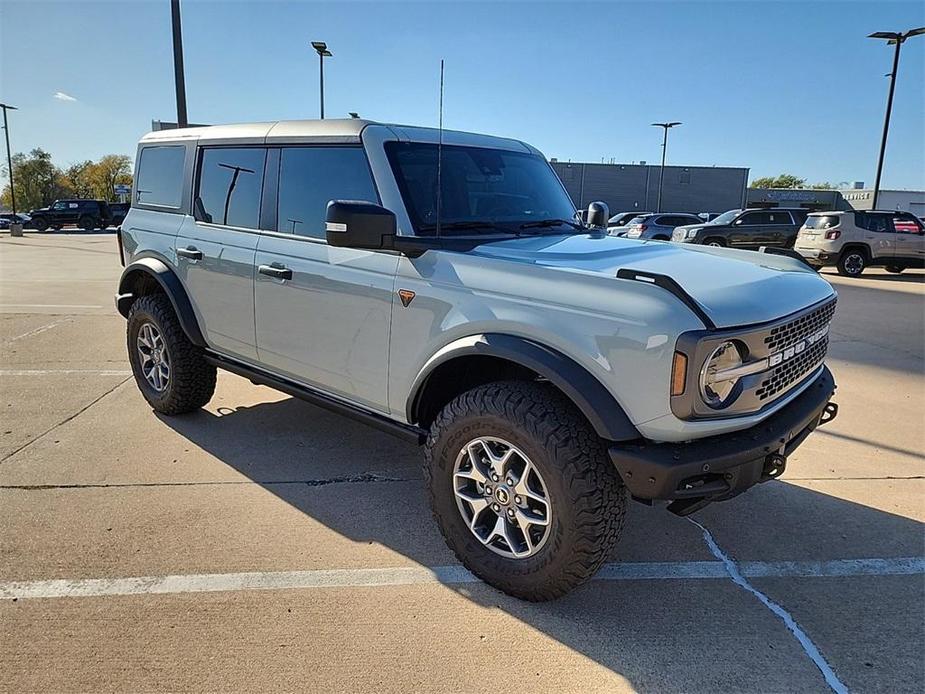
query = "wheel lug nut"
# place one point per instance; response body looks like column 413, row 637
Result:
column 494, row 477
column 510, row 482
column 495, row 507
column 517, row 500
column 487, row 489
column 510, row 512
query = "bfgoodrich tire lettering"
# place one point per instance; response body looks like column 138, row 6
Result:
column 587, row 500
column 191, row 380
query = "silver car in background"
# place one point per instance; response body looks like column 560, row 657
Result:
column 658, row 227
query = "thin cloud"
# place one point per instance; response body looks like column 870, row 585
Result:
column 61, row 96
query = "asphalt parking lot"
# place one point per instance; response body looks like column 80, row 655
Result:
column 266, row 544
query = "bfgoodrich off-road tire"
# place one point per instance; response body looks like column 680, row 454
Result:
column 587, row 500
column 188, row 382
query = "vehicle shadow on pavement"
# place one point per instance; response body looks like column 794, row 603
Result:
column 367, row 486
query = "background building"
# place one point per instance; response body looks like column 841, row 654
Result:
column 856, row 199
column 628, row 187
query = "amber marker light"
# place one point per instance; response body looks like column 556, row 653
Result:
column 678, row 373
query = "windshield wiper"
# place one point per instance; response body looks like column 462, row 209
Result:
column 465, row 225
column 553, row 223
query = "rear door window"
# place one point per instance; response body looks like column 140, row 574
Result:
column 754, row 219
column 779, row 218
column 873, row 221
column 160, row 176
column 230, row 185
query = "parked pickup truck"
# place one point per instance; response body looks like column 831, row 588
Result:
column 441, row 286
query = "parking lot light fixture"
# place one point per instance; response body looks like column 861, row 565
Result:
column 896, row 38
column 14, row 227
column 661, row 174
column 321, row 48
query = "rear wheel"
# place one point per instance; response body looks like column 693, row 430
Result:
column 714, row 241
column 895, row 269
column 522, row 489
column 169, row 370
column 852, row 262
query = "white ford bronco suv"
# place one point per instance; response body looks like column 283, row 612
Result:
column 441, row 286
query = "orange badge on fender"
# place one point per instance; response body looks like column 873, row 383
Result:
column 406, row 295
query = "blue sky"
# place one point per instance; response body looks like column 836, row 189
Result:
column 775, row 86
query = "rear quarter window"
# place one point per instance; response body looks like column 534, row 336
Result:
column 160, row 175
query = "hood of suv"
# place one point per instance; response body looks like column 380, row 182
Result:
column 733, row 287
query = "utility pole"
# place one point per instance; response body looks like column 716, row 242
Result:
column 897, row 38
column 321, row 48
column 179, row 80
column 661, row 173
column 15, row 226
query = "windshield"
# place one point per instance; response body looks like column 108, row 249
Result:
column 726, row 217
column 483, row 191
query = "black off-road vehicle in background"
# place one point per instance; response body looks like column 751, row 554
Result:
column 750, row 229
column 86, row 214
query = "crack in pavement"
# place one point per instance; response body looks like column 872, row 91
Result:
column 811, row 650
column 363, row 478
column 64, row 421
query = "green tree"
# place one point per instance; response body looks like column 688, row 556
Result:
column 107, row 172
column 38, row 181
column 781, row 181
column 823, row 185
column 80, row 179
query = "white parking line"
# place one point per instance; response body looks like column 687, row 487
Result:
column 37, row 331
column 360, row 578
column 3, row 306
column 64, row 372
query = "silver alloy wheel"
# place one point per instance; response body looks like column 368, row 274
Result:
column 502, row 497
column 155, row 360
column 715, row 244
column 854, row 263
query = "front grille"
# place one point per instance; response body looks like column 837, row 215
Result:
column 790, row 333
column 781, row 377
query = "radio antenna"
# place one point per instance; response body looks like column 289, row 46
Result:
column 440, row 154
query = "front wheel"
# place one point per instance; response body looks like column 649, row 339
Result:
column 40, row 223
column 87, row 223
column 169, row 370
column 716, row 242
column 522, row 489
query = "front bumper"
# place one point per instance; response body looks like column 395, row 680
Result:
column 694, row 474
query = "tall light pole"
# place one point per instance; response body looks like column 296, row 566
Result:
column 661, row 173
column 178, row 78
column 9, row 158
column 897, row 38
column 321, row 48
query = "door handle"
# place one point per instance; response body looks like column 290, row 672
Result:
column 190, row 252
column 280, row 272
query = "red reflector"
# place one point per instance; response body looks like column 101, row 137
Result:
column 643, row 227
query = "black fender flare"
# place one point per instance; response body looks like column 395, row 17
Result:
column 597, row 404
column 168, row 281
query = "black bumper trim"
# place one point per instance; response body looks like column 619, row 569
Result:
column 696, row 473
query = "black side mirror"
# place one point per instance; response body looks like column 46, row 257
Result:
column 598, row 214
column 359, row 224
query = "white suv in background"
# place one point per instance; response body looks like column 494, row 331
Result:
column 852, row 241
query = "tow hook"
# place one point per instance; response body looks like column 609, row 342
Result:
column 829, row 413
column 774, row 466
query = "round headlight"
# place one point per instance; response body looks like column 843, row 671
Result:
column 716, row 389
